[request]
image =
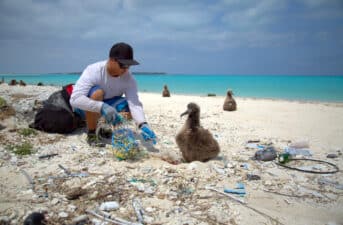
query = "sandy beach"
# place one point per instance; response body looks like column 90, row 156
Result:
column 169, row 190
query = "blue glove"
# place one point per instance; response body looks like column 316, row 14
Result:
column 110, row 114
column 148, row 134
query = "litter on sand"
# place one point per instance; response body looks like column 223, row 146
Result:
column 240, row 189
column 297, row 151
column 124, row 144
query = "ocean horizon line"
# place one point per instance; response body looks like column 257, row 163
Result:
column 294, row 87
column 177, row 74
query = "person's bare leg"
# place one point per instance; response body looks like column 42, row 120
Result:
column 92, row 117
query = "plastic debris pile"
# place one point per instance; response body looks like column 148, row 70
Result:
column 124, row 144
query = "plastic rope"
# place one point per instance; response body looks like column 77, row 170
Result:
column 311, row 171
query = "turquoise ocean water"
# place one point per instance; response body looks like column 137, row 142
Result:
column 308, row 88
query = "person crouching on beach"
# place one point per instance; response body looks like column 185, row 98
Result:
column 98, row 92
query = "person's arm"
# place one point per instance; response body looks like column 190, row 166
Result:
column 137, row 113
column 136, row 107
column 79, row 98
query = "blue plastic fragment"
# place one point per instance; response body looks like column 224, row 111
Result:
column 240, row 189
column 240, row 186
column 235, row 191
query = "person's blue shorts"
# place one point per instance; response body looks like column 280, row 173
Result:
column 118, row 102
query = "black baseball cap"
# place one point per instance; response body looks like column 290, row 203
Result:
column 123, row 53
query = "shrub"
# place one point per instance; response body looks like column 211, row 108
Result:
column 3, row 102
column 25, row 148
column 27, row 132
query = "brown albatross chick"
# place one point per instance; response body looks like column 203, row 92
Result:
column 165, row 92
column 195, row 142
column 229, row 102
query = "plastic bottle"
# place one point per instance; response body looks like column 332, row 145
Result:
column 298, row 151
column 284, row 158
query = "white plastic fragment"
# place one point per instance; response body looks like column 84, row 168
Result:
column 109, row 206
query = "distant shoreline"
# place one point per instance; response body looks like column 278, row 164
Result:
column 315, row 88
column 79, row 73
column 150, row 73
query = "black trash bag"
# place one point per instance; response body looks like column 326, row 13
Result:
column 56, row 115
column 35, row 218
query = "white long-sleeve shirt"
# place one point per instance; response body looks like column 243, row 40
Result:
column 96, row 75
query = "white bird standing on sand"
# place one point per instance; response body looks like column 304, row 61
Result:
column 195, row 142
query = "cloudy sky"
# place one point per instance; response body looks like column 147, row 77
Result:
column 176, row 36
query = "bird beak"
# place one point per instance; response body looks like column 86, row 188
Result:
column 186, row 112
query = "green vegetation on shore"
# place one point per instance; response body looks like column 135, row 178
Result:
column 3, row 102
column 27, row 132
column 25, row 148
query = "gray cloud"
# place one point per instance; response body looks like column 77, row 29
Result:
column 66, row 28
column 151, row 20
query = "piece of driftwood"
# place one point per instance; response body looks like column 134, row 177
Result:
column 64, row 169
column 137, row 206
column 244, row 204
column 117, row 220
column 47, row 156
column 28, row 178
